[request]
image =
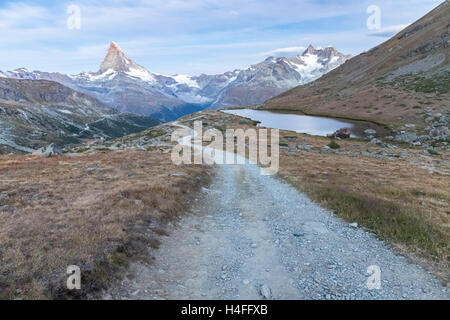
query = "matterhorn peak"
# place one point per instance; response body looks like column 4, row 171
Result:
column 116, row 60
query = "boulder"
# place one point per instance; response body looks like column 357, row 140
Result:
column 370, row 132
column 265, row 292
column 342, row 133
column 50, row 151
column 376, row 141
column 438, row 131
column 304, row 147
column 408, row 137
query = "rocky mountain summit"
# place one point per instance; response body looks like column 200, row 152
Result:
column 128, row 87
column 117, row 61
column 273, row 76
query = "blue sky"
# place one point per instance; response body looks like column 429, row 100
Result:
column 190, row 36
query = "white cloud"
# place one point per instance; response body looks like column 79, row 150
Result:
column 20, row 14
column 287, row 51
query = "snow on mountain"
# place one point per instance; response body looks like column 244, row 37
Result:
column 127, row 86
column 273, row 76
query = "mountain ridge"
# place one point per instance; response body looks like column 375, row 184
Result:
column 128, row 87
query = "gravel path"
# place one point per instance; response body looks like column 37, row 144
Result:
column 253, row 237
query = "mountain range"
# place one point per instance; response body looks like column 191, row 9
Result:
column 128, row 87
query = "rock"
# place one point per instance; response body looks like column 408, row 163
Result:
column 404, row 155
column 136, row 292
column 304, row 147
column 51, row 150
column 4, row 196
column 408, row 137
column 369, row 132
column 205, row 190
column 246, row 282
column 423, row 203
column 254, row 245
column 354, row 225
column 265, row 292
column 376, row 141
column 423, row 138
column 298, row 234
column 289, row 138
column 38, row 152
column 438, row 131
column 326, row 148
column 342, row 133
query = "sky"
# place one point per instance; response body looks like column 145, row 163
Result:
column 191, row 36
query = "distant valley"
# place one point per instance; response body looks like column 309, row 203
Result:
column 36, row 113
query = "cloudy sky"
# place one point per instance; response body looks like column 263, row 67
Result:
column 189, row 36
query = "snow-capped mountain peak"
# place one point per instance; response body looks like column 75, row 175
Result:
column 309, row 50
column 116, row 60
column 127, row 86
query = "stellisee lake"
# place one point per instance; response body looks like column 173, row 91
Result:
column 319, row 126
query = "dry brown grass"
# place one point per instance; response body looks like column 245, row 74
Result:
column 84, row 210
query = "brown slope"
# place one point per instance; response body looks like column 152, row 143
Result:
column 392, row 83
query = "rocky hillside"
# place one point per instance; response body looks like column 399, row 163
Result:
column 404, row 81
column 36, row 112
column 128, row 87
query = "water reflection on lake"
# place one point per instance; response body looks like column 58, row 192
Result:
column 319, row 126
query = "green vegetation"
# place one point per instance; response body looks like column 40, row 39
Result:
column 334, row 145
column 433, row 152
column 439, row 83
